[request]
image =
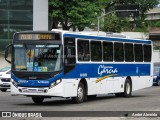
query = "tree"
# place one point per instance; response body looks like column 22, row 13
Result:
column 75, row 13
column 112, row 23
column 139, row 21
column 145, row 5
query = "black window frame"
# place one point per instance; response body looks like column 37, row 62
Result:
column 147, row 53
column 93, row 50
column 138, row 55
column 85, row 55
column 107, row 57
column 118, row 55
column 129, row 52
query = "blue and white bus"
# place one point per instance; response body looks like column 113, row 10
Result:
column 76, row 65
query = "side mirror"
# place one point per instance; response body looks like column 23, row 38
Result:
column 7, row 51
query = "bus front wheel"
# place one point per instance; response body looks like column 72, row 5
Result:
column 3, row 90
column 80, row 94
column 37, row 99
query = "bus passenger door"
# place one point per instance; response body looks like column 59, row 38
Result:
column 69, row 54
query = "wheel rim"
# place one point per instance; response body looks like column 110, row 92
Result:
column 80, row 93
column 128, row 88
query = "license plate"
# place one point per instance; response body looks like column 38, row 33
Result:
column 33, row 90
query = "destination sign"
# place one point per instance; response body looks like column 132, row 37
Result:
column 40, row 36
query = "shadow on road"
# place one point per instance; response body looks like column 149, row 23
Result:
column 65, row 102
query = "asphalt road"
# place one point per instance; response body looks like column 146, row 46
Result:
column 142, row 100
column 147, row 99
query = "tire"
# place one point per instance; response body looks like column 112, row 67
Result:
column 127, row 90
column 80, row 94
column 3, row 90
column 37, row 99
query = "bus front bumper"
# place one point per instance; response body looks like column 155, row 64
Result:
column 37, row 91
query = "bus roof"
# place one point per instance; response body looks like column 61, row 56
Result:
column 94, row 35
column 113, row 37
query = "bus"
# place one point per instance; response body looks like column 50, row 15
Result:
column 78, row 65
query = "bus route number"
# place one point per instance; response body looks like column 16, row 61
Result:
column 26, row 36
column 83, row 74
column 44, row 36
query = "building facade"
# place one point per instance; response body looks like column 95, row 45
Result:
column 21, row 15
column 15, row 15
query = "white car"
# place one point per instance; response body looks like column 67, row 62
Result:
column 5, row 78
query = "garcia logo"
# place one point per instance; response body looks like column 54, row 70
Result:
column 106, row 69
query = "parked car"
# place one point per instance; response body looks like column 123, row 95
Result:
column 156, row 78
column 5, row 78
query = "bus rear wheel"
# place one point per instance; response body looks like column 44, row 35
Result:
column 37, row 99
column 80, row 94
column 127, row 89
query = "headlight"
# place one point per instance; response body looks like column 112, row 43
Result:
column 55, row 83
column 14, row 83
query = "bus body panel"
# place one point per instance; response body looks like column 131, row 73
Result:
column 101, row 77
column 67, row 88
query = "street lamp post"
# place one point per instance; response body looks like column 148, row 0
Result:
column 99, row 17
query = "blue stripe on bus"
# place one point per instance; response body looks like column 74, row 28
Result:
column 36, row 83
column 107, row 38
column 100, row 70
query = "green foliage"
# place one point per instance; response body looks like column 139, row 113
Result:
column 112, row 23
column 75, row 13
column 145, row 5
column 154, row 23
column 138, row 24
column 83, row 13
column 156, row 47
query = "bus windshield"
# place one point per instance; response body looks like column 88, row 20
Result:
column 37, row 58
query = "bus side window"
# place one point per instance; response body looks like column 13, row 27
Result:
column 69, row 51
column 96, row 51
column 147, row 53
column 129, row 54
column 70, row 55
column 138, row 51
column 83, row 50
column 118, row 52
column 107, row 51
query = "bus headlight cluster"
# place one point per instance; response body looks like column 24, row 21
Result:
column 14, row 83
column 55, row 83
